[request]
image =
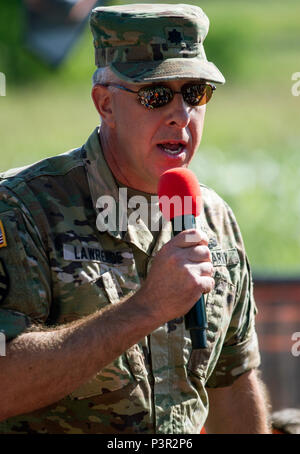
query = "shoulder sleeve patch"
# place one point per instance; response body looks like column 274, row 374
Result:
column 3, row 242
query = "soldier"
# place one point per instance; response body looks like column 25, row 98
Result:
column 94, row 318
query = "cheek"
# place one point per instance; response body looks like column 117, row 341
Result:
column 131, row 121
column 124, row 110
column 142, row 130
column 197, row 124
column 133, row 138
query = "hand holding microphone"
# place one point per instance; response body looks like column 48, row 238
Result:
column 180, row 201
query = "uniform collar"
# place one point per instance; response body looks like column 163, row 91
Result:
column 102, row 182
column 100, row 178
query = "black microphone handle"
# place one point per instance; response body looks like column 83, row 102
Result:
column 195, row 319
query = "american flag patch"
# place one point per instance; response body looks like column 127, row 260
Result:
column 3, row 242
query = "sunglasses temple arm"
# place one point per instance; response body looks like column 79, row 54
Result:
column 123, row 88
column 119, row 86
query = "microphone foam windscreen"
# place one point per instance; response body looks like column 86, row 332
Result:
column 179, row 193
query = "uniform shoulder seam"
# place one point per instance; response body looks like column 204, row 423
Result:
column 24, row 177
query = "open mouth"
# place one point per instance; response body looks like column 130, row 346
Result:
column 172, row 148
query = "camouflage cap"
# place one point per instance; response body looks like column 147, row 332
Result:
column 153, row 42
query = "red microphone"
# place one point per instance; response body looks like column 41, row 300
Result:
column 180, row 201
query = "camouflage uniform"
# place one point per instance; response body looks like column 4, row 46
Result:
column 57, row 267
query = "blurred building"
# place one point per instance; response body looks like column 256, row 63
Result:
column 278, row 327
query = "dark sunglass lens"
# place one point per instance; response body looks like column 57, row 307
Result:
column 152, row 97
column 197, row 94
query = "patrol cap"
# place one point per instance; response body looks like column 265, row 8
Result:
column 153, row 42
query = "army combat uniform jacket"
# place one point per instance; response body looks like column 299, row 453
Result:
column 56, row 267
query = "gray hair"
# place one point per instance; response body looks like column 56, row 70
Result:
column 104, row 75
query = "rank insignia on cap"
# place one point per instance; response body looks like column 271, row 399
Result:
column 3, row 242
column 4, row 281
column 174, row 35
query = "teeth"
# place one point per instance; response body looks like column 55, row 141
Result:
column 169, row 148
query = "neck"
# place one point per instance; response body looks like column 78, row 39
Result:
column 109, row 145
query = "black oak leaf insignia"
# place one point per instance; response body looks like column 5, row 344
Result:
column 174, row 36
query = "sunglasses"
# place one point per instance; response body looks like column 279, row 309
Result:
column 153, row 96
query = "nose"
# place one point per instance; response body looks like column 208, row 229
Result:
column 178, row 112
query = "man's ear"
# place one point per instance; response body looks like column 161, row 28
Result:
column 102, row 98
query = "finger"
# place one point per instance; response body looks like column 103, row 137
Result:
column 199, row 254
column 191, row 237
column 207, row 269
column 206, row 284
column 203, row 269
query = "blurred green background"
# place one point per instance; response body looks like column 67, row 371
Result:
column 250, row 147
